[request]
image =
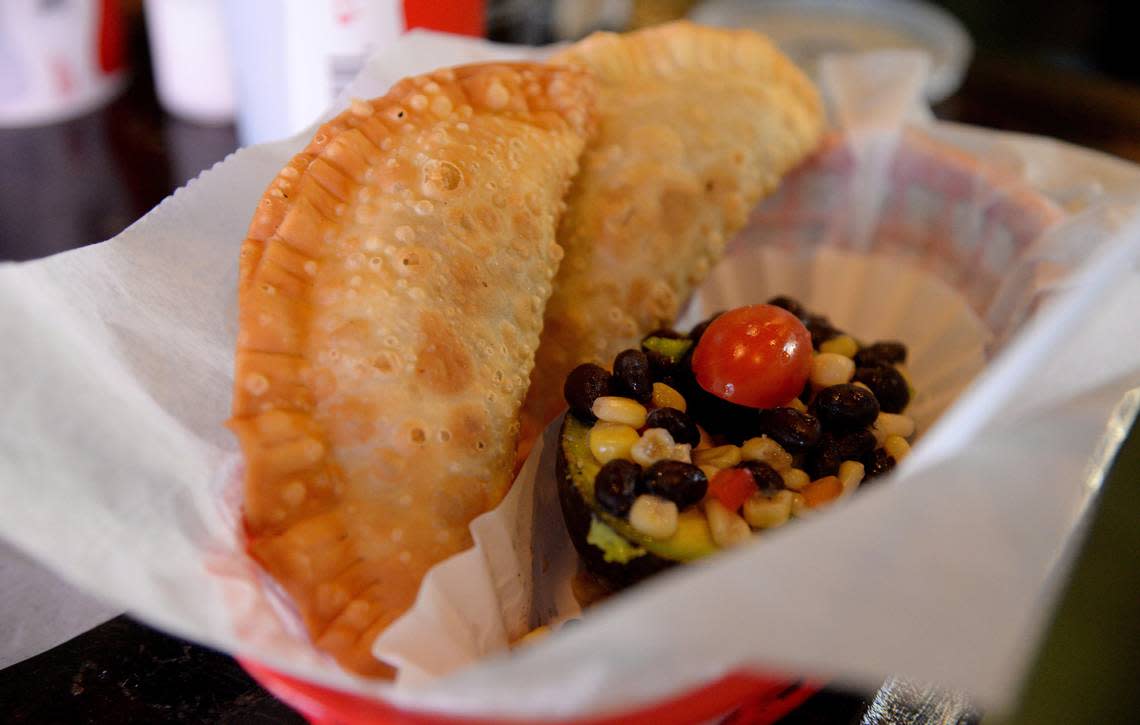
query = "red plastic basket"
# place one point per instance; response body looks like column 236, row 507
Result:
column 739, row 698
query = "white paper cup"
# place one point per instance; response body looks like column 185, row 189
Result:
column 192, row 70
column 59, row 60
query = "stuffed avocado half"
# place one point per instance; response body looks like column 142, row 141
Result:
column 609, row 546
column 698, row 442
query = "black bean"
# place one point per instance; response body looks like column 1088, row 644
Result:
column 845, row 407
column 700, row 328
column 736, row 423
column 834, row 449
column 682, row 483
column 631, row 375
column 856, row 444
column 805, row 394
column 888, row 385
column 789, row 304
column 794, row 430
column 821, row 329
column 683, row 379
column 823, row 461
column 877, row 463
column 766, row 477
column 679, row 425
column 585, row 384
column 662, row 369
column 615, row 486
column 882, row 354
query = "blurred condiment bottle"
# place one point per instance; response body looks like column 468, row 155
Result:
column 59, row 59
column 292, row 57
column 188, row 51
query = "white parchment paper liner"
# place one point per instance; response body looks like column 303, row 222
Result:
column 115, row 471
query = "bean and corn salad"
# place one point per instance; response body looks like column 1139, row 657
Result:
column 756, row 416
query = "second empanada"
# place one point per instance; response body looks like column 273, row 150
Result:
column 695, row 125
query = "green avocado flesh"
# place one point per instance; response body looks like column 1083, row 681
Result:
column 615, row 548
column 674, row 349
column 691, row 541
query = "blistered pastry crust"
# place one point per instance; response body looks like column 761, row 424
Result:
column 391, row 294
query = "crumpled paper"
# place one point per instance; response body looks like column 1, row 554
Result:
column 116, row 473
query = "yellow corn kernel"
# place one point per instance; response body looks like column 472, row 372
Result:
column 795, row 478
column 844, row 345
column 666, row 397
column 726, row 527
column 653, row 516
column 829, row 368
column 767, row 450
column 656, row 444
column 798, row 405
column 615, row 409
column 762, row 512
column 612, row 440
column 892, row 424
column 721, row 456
column 850, row 475
column 896, row 447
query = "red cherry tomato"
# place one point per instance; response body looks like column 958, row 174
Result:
column 758, row 356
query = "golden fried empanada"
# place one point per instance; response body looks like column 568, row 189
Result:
column 695, row 125
column 391, row 295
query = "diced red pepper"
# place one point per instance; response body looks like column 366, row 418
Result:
column 823, row 491
column 732, row 487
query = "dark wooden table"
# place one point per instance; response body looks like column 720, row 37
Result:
column 70, row 184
